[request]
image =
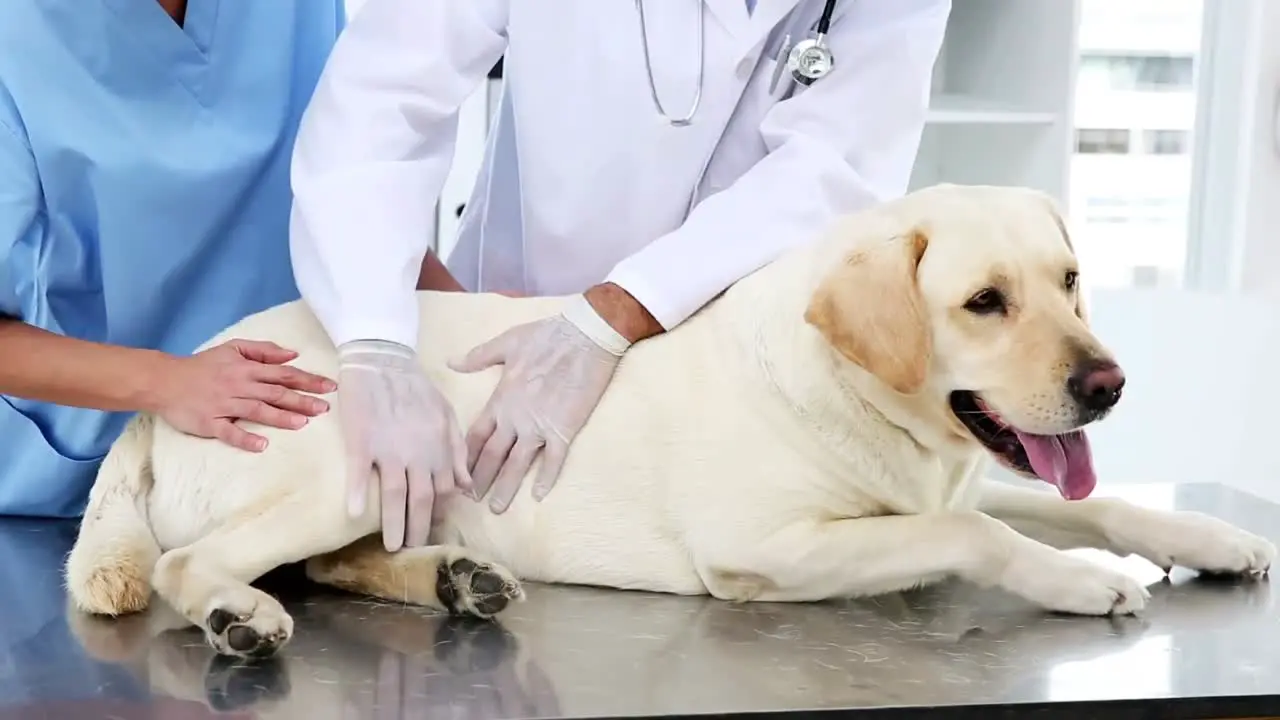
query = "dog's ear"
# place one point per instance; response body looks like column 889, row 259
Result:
column 869, row 309
column 1082, row 311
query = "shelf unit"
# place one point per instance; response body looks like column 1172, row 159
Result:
column 1001, row 109
column 1003, row 96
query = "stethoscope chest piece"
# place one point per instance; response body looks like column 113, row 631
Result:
column 810, row 60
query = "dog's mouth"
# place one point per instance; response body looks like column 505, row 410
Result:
column 1064, row 461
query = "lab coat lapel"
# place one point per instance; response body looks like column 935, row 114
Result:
column 731, row 14
column 767, row 15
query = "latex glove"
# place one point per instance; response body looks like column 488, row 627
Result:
column 396, row 422
column 554, row 373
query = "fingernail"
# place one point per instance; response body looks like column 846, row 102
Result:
column 320, row 406
column 298, row 421
column 260, row 444
column 329, row 386
column 539, row 493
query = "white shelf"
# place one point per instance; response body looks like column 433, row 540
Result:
column 1003, row 97
column 947, row 109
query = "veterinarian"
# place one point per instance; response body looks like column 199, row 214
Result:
column 144, row 204
column 645, row 156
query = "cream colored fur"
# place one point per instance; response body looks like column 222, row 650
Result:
column 790, row 442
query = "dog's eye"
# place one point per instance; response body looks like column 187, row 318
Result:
column 986, row 302
column 1072, row 277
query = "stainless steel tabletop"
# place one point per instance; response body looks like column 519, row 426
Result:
column 1204, row 648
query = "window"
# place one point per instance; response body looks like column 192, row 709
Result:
column 1102, row 141
column 1141, row 72
column 1135, row 112
column 1166, row 142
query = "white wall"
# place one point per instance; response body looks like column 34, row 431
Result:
column 1200, row 388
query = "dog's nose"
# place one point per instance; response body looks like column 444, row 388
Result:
column 1097, row 386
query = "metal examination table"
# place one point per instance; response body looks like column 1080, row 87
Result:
column 1203, row 649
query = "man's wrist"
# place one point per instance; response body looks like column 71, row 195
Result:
column 622, row 312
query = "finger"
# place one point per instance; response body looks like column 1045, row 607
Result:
column 553, row 456
column 477, row 435
column 395, row 488
column 513, row 471
column 236, row 436
column 264, row 414
column 262, row 351
column 491, row 458
column 461, row 475
column 482, row 356
column 422, row 495
column 286, row 399
column 294, row 379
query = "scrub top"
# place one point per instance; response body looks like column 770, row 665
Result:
column 144, row 192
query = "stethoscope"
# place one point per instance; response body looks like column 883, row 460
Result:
column 808, row 60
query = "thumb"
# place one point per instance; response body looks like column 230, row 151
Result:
column 493, row 352
column 263, row 352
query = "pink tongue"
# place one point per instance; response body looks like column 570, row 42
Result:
column 1062, row 460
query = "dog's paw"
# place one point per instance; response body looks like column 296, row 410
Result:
column 1197, row 542
column 247, row 623
column 475, row 589
column 1062, row 583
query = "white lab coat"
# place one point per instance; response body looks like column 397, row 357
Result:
column 583, row 181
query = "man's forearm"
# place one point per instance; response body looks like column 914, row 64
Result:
column 39, row 365
column 623, row 312
column 433, row 275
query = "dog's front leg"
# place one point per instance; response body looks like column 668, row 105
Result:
column 1189, row 539
column 870, row 556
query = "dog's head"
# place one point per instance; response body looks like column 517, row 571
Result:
column 970, row 296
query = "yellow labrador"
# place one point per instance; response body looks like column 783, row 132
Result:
column 820, row 430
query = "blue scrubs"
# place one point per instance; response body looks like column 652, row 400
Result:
column 144, row 192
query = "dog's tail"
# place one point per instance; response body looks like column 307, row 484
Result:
column 109, row 569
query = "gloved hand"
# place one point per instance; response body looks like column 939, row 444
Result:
column 555, row 372
column 394, row 420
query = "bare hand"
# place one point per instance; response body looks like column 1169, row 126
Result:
column 206, row 393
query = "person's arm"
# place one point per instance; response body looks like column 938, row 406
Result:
column 201, row 394
column 40, row 365
column 843, row 144
column 435, row 276
column 372, row 155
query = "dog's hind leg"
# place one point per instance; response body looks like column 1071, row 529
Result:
column 207, row 582
column 443, row 577
column 109, row 566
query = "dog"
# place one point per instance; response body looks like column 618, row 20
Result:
column 820, row 430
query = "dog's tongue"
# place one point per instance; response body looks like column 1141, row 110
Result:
column 1062, row 460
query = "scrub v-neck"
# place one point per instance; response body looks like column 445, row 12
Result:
column 186, row 49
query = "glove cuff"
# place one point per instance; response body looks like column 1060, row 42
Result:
column 349, row 350
column 581, row 315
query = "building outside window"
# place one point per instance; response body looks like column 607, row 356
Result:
column 1131, row 174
